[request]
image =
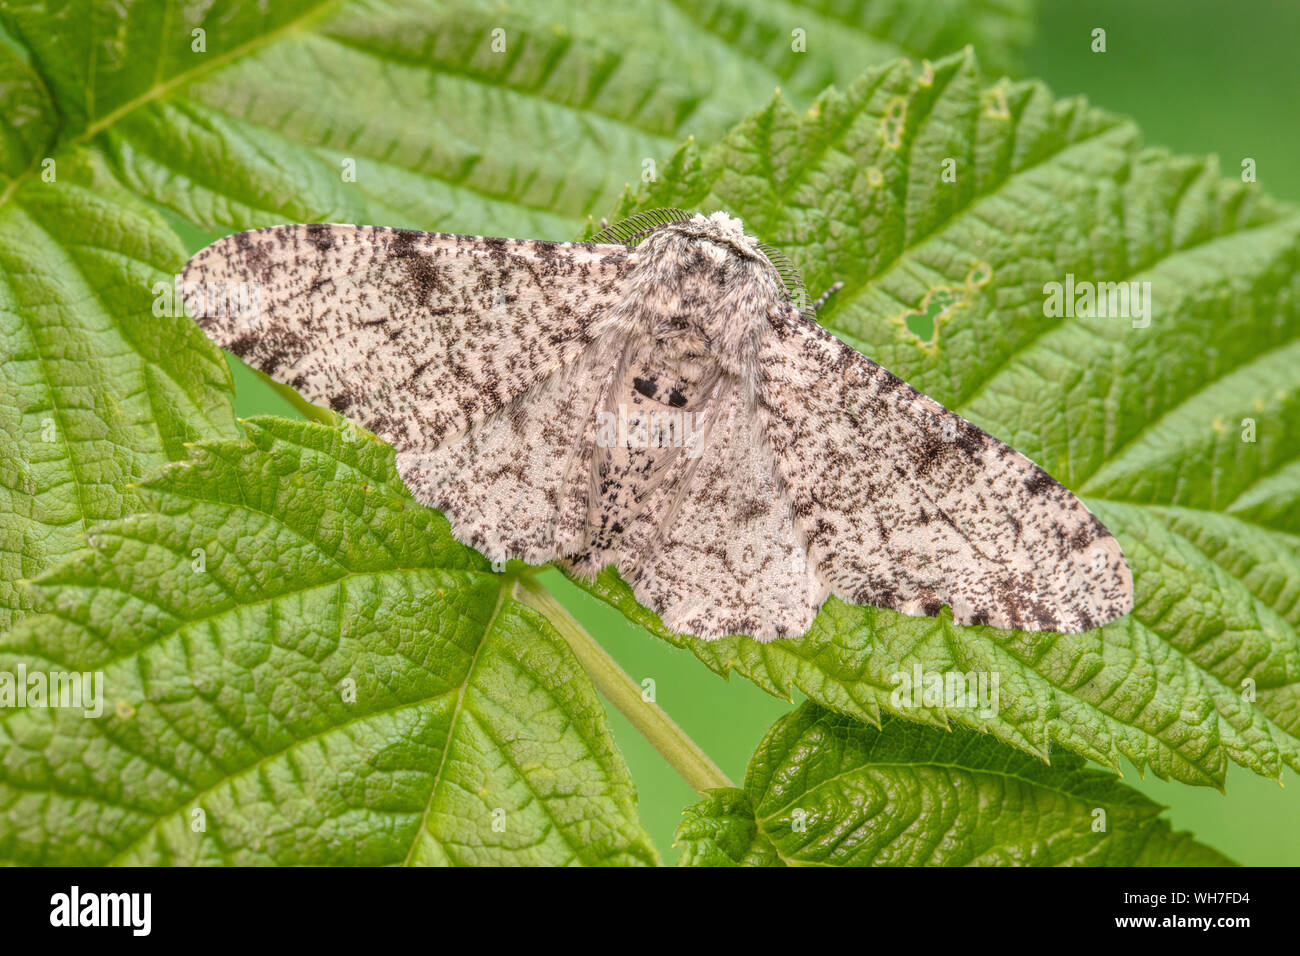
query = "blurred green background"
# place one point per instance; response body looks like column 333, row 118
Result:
column 1200, row 76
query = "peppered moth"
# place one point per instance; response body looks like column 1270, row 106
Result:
column 656, row 400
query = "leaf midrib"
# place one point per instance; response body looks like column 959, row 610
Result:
column 944, row 766
column 1074, row 799
column 455, row 720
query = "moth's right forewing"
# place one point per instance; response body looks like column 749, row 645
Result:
column 417, row 336
column 906, row 505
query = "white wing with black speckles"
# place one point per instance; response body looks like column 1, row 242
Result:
column 417, row 336
column 906, row 505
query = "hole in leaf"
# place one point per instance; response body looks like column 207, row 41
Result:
column 922, row 323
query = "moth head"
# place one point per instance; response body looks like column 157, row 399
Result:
column 674, row 237
column 722, row 231
column 701, row 286
column 721, row 236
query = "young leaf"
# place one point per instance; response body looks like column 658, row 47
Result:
column 301, row 666
column 824, row 789
column 96, row 386
column 1180, row 427
column 521, row 122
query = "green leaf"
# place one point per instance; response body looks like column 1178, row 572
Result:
column 229, row 622
column 530, row 141
column 95, row 389
column 28, row 122
column 824, row 789
column 1207, row 667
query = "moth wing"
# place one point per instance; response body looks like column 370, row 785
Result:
column 716, row 551
column 516, row 484
column 906, row 505
column 417, row 336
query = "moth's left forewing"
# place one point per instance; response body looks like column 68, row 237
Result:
column 906, row 505
column 417, row 336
